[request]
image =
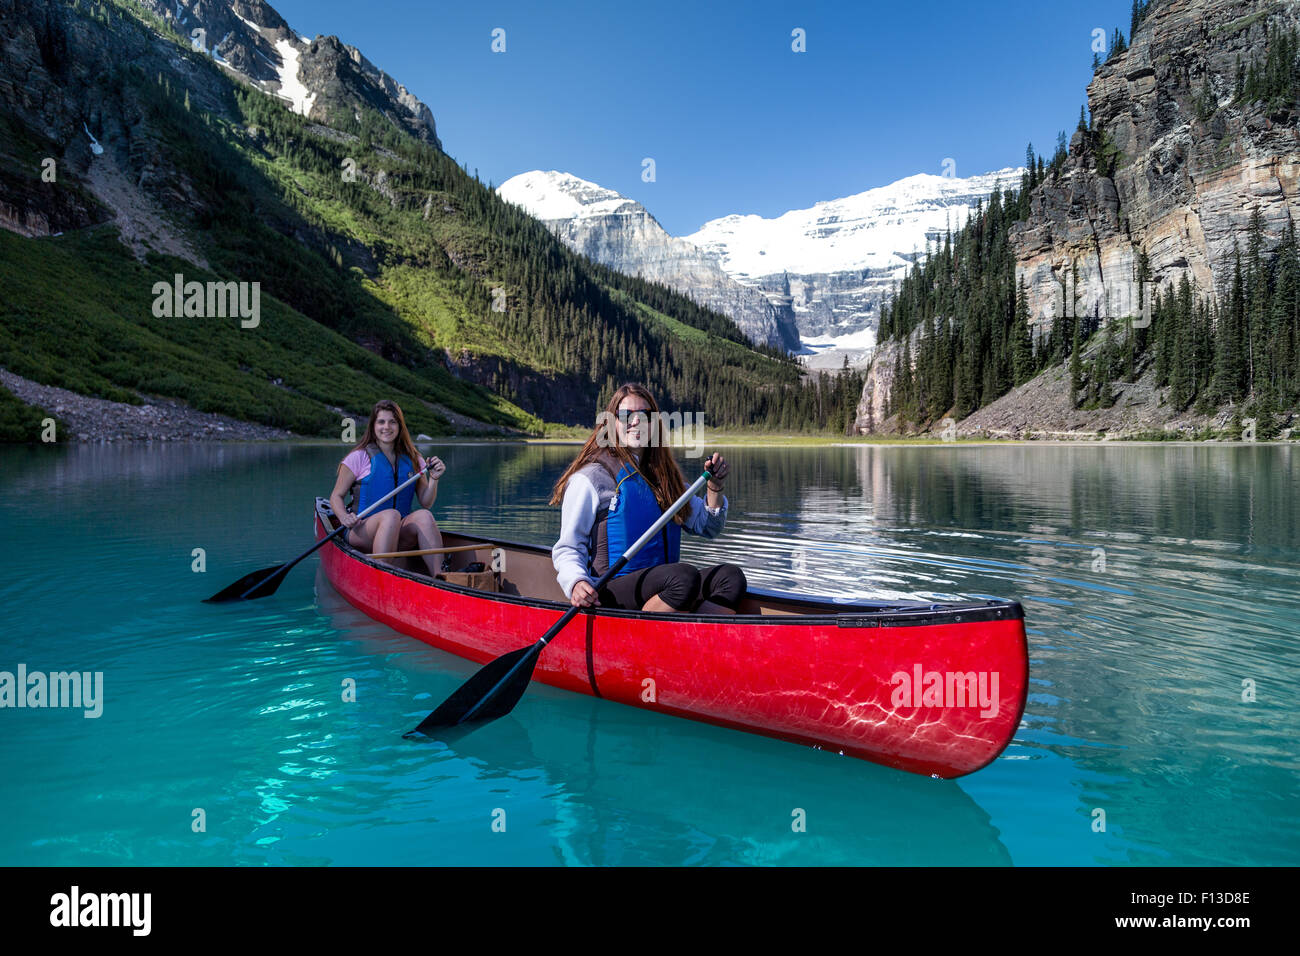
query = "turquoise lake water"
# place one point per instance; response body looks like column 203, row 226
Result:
column 1156, row 580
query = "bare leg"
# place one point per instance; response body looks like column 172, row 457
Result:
column 362, row 535
column 420, row 531
column 658, row 605
column 388, row 526
column 708, row 607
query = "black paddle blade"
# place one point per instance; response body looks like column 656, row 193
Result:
column 266, row 581
column 489, row 694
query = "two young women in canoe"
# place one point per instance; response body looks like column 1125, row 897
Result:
column 383, row 459
column 620, row 483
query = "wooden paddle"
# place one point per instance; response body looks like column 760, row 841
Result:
column 497, row 687
column 416, row 554
column 265, row 582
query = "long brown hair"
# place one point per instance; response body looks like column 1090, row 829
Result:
column 404, row 445
column 657, row 464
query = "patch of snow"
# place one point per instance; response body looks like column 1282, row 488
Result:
column 292, row 88
column 255, row 28
column 827, row 352
column 556, row 195
column 94, row 143
column 216, row 55
column 862, row 339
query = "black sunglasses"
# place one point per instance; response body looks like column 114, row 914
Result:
column 624, row 414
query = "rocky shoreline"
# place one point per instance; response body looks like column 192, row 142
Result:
column 160, row 419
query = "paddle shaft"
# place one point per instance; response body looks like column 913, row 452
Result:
column 416, row 554
column 604, row 579
column 284, row 568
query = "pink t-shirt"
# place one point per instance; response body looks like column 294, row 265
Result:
column 358, row 463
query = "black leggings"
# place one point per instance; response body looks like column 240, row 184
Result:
column 680, row 586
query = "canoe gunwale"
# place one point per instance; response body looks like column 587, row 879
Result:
column 821, row 612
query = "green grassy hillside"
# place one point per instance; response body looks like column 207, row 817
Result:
column 385, row 269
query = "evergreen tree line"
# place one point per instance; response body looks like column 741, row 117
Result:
column 1242, row 348
column 975, row 340
column 1118, row 44
column 961, row 295
column 1275, row 81
column 564, row 315
column 976, row 343
column 1141, row 8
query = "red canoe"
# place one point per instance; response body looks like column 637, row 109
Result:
column 935, row 689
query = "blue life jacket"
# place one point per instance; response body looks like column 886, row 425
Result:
column 631, row 511
column 381, row 480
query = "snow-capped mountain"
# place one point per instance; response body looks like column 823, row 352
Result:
column 318, row 78
column 824, row 268
column 619, row 232
column 878, row 229
column 839, row 258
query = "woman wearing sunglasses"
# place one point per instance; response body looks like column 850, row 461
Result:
column 621, row 482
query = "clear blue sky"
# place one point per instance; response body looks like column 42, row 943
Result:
column 735, row 121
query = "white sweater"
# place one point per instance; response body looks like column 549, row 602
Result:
column 583, row 497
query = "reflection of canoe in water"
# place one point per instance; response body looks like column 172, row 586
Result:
column 732, row 799
column 930, row 688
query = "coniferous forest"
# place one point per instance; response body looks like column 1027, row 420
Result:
column 387, row 268
column 1239, row 346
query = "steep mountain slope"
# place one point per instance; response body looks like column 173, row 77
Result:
column 383, row 268
column 1147, row 277
column 620, row 233
column 1171, row 165
column 811, row 275
column 322, row 79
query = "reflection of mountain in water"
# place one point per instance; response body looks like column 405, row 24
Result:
column 80, row 466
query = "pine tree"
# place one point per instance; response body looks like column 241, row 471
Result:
column 1181, row 381
column 1138, row 15
column 1076, row 363
column 1257, row 318
column 1228, row 360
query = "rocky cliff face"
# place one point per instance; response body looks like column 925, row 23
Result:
column 620, row 233
column 321, row 78
column 1162, row 169
column 871, row 418
column 71, row 128
column 1165, row 169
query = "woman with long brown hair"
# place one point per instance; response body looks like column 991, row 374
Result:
column 383, row 459
column 624, row 478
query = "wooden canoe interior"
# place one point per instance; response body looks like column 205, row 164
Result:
column 530, row 574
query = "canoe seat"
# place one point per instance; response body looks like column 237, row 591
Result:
column 479, row 580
